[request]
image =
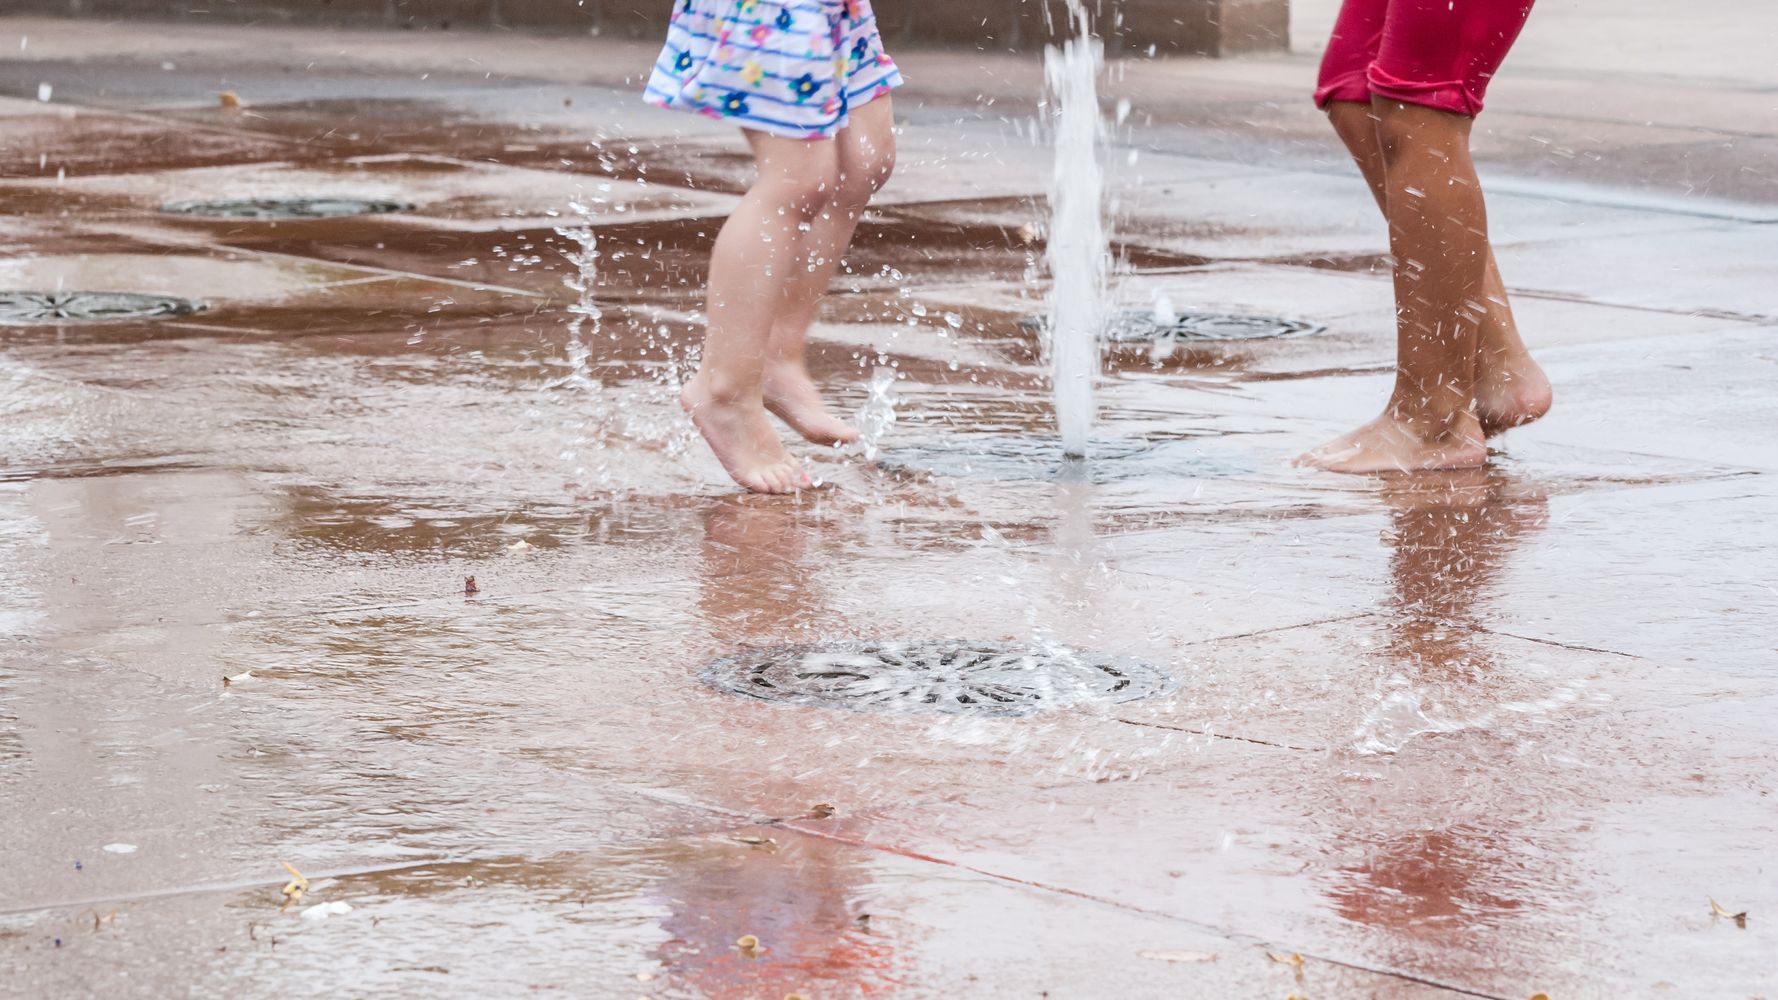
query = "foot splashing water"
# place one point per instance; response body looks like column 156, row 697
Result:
column 1078, row 251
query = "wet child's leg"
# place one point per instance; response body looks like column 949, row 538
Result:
column 1511, row 389
column 1432, row 65
column 866, row 150
column 1356, row 125
column 757, row 254
column 1436, row 227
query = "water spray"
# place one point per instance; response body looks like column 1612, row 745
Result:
column 1078, row 251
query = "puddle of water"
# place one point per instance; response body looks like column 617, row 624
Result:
column 1008, row 458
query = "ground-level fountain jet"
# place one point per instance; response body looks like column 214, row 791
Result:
column 1077, row 251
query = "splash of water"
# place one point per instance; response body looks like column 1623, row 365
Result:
column 1403, row 712
column 584, row 311
column 877, row 414
column 1078, row 252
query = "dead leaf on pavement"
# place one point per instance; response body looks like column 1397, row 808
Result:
column 1282, row 959
column 1718, row 909
column 821, row 810
column 293, row 889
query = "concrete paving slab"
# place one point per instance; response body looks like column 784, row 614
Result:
column 1720, row 425
column 1448, row 884
column 433, row 191
column 660, row 918
column 1670, row 274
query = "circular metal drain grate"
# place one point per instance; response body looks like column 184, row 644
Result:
column 1137, row 327
column 947, row 677
column 57, row 308
column 1013, row 458
column 286, row 208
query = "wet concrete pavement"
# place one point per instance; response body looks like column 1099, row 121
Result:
column 1477, row 734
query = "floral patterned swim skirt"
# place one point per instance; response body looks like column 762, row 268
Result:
column 790, row 68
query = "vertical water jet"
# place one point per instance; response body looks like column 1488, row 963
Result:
column 1078, row 252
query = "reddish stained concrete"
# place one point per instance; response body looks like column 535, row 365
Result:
column 1478, row 734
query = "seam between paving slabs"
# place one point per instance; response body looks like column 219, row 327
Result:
column 474, row 286
column 730, row 815
column 1224, row 932
column 1518, row 291
column 236, row 886
column 1230, row 934
column 1232, row 737
column 727, row 816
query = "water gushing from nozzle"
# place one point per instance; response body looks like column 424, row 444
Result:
column 1078, row 253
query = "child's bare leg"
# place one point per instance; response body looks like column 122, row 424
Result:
column 866, row 157
column 1511, row 389
column 1356, row 125
column 1438, row 236
column 756, row 253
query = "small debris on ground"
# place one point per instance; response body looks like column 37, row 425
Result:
column 1282, row 959
column 753, row 840
column 1294, row 960
column 749, row 945
column 519, row 546
column 469, row 587
column 229, row 100
column 1717, row 909
column 120, row 848
column 293, row 890
column 243, row 676
column 820, row 810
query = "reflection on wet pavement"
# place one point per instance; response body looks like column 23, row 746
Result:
column 1479, row 733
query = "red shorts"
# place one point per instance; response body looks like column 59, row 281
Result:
column 1435, row 53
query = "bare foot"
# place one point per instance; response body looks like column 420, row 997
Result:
column 791, row 395
column 1392, row 443
column 738, row 431
column 1511, row 391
